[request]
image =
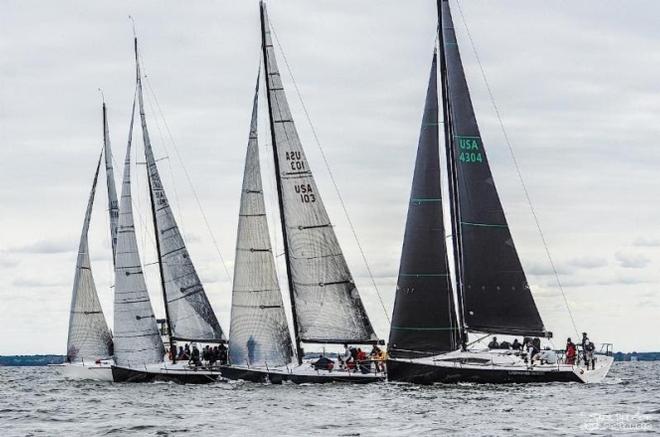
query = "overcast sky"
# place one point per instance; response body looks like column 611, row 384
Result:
column 576, row 84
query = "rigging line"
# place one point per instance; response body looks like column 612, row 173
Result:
column 185, row 171
column 332, row 178
column 518, row 171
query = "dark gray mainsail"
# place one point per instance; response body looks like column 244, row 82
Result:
column 259, row 333
column 326, row 304
column 113, row 203
column 137, row 338
column 89, row 338
column 189, row 313
column 423, row 320
column 496, row 295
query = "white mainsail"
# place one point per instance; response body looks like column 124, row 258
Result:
column 259, row 333
column 189, row 311
column 327, row 303
column 89, row 338
column 137, row 339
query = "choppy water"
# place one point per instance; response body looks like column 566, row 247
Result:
column 36, row 401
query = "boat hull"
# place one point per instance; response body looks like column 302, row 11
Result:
column 84, row 372
column 297, row 376
column 179, row 376
column 418, row 373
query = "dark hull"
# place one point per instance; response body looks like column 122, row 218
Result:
column 262, row 375
column 405, row 371
column 251, row 375
column 123, row 374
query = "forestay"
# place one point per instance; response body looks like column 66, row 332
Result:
column 259, row 333
column 424, row 321
column 327, row 303
column 496, row 294
column 89, row 338
column 137, row 339
column 190, row 314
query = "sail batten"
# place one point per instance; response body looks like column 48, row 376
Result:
column 89, row 338
column 423, row 321
column 327, row 304
column 190, row 315
column 137, row 338
column 259, row 333
column 492, row 283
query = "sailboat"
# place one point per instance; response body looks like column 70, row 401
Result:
column 89, row 342
column 325, row 304
column 139, row 351
column 428, row 340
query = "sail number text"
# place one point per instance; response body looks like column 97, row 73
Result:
column 306, row 193
column 295, row 161
column 469, row 149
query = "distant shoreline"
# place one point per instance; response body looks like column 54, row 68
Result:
column 44, row 360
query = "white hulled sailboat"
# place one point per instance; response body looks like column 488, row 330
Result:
column 89, row 343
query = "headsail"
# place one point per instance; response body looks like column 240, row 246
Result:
column 113, row 203
column 259, row 333
column 423, row 320
column 137, row 339
column 493, row 284
column 327, row 304
column 89, row 337
column 190, row 314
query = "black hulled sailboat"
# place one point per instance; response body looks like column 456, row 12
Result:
column 326, row 306
column 431, row 320
column 140, row 355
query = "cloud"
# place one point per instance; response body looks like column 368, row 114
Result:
column 632, row 260
column 46, row 247
column 37, row 283
column 646, row 242
column 589, row 262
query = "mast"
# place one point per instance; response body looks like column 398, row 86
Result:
column 278, row 179
column 153, row 213
column 451, row 176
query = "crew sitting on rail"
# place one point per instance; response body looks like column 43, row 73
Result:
column 493, row 344
column 516, row 346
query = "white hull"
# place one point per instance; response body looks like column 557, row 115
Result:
column 84, row 371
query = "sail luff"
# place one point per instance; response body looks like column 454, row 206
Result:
column 189, row 313
column 328, row 305
column 89, row 337
column 259, row 334
column 265, row 43
column 137, row 338
column 451, row 179
column 423, row 320
column 496, row 295
column 113, row 203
